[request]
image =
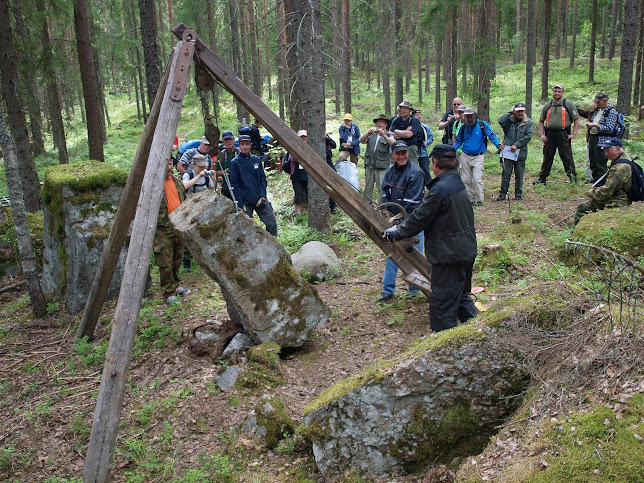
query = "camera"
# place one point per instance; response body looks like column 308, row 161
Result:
column 208, row 173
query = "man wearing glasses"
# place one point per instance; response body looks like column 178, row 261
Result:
column 448, row 121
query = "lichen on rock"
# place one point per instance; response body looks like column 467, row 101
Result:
column 269, row 420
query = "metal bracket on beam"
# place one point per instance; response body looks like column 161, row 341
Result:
column 183, row 65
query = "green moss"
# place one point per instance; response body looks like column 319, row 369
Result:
column 381, row 369
column 266, row 354
column 9, row 255
column 82, row 177
column 277, row 422
column 83, row 198
column 313, row 431
column 597, row 446
column 258, row 377
column 619, row 230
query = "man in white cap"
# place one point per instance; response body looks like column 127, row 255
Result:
column 299, row 177
column 185, row 163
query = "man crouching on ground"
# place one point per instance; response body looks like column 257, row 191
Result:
column 447, row 218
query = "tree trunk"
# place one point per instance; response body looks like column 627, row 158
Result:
column 602, row 50
column 565, row 27
column 573, row 45
column 310, row 92
column 282, row 69
column 629, row 37
column 15, row 113
column 386, row 75
column 245, row 53
column 267, row 53
column 447, row 68
column 531, row 55
column 254, row 53
column 337, row 55
column 640, row 51
column 518, row 34
column 235, row 48
column 486, row 21
column 150, row 50
column 558, row 35
column 139, row 68
column 25, row 249
column 613, row 27
column 34, row 103
column 593, row 20
column 426, row 49
column 419, row 44
column 437, row 88
column 346, row 55
column 547, row 20
column 398, row 55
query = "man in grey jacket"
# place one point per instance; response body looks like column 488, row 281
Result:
column 518, row 131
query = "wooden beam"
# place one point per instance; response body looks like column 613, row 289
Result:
column 117, row 360
column 122, row 220
column 355, row 205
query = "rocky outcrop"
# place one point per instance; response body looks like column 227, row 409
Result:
column 400, row 414
column 261, row 289
column 269, row 421
column 316, row 261
column 80, row 202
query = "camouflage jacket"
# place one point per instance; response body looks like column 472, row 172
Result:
column 618, row 181
column 164, row 217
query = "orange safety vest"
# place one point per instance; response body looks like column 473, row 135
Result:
column 563, row 113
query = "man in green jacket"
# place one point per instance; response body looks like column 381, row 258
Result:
column 610, row 190
column 518, row 132
column 376, row 157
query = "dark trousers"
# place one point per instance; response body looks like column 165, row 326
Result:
column 519, row 168
column 168, row 253
column 265, row 214
column 557, row 140
column 450, row 299
column 598, row 160
column 423, row 162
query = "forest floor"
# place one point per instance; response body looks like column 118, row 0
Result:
column 176, row 423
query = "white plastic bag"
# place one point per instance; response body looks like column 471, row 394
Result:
column 349, row 172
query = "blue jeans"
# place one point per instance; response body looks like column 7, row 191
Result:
column 391, row 269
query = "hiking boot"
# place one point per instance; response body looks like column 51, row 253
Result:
column 384, row 298
column 183, row 291
column 518, row 197
column 172, row 300
column 477, row 203
column 501, row 197
column 187, row 265
column 539, row 181
column 412, row 294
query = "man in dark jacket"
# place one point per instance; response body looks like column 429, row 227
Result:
column 248, row 181
column 446, row 217
column 404, row 184
column 256, row 139
column 518, row 132
column 603, row 122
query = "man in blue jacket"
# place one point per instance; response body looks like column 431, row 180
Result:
column 404, row 184
column 349, row 139
column 248, row 181
column 471, row 142
column 447, row 219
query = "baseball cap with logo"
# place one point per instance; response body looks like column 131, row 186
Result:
column 205, row 140
column 302, row 132
column 228, row 135
column 519, row 106
column 348, row 117
column 610, row 142
column 399, row 146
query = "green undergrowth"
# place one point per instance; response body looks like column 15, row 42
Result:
column 598, row 445
column 9, row 253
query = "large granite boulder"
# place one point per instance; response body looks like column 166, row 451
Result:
column 261, row 289
column 80, row 202
column 316, row 261
column 401, row 414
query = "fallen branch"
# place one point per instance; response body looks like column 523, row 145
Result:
column 12, row 286
column 606, row 251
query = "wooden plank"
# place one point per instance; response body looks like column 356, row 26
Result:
column 355, row 205
column 117, row 360
column 122, row 220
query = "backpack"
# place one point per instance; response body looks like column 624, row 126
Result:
column 620, row 127
column 552, row 101
column 636, row 193
column 286, row 164
column 244, row 131
column 481, row 125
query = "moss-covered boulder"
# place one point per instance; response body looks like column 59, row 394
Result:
column 80, row 202
column 618, row 229
column 262, row 291
column 9, row 255
column 269, row 421
column 400, row 414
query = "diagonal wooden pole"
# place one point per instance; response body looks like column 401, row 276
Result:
column 416, row 268
column 117, row 360
column 122, row 220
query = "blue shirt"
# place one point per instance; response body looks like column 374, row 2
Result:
column 248, row 179
column 354, row 132
column 470, row 138
column 430, row 139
